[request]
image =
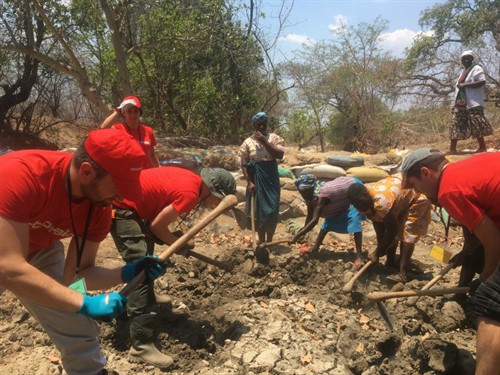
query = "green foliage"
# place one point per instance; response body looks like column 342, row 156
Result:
column 347, row 83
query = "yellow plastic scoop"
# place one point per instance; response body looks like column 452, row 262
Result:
column 440, row 253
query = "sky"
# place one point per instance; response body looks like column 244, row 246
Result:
column 312, row 20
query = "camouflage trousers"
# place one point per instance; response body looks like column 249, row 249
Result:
column 469, row 123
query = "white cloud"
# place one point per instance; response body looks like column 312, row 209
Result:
column 397, row 40
column 340, row 22
column 298, row 39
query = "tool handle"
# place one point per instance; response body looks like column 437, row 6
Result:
column 277, row 242
column 412, row 301
column 348, row 287
column 227, row 202
column 252, row 218
column 381, row 296
column 226, row 266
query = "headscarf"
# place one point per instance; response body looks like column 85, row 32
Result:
column 306, row 181
column 258, row 117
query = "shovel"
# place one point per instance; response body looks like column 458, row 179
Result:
column 261, row 254
column 227, row 202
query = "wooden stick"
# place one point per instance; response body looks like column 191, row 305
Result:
column 277, row 242
column 227, row 202
column 252, row 214
column 412, row 301
column 381, row 296
column 348, row 287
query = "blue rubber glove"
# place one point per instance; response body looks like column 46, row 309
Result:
column 153, row 266
column 103, row 306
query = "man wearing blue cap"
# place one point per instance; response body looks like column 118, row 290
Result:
column 469, row 190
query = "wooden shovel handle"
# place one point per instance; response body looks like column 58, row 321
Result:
column 227, row 202
column 348, row 287
column 381, row 296
column 412, row 301
column 277, row 242
column 252, row 218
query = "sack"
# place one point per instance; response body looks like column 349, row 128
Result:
column 367, row 174
column 345, row 161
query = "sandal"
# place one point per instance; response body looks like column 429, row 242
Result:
column 358, row 263
column 397, row 278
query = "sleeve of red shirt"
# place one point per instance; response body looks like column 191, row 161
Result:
column 18, row 192
column 184, row 201
column 152, row 136
column 462, row 209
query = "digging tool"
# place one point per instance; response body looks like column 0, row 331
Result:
column 412, row 301
column 348, row 287
column 261, row 254
column 241, row 218
column 267, row 244
column 382, row 296
column 227, row 202
column 252, row 217
column 226, row 266
column 389, row 321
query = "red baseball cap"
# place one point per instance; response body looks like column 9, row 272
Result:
column 130, row 101
column 121, row 156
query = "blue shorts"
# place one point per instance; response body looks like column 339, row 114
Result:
column 347, row 222
column 488, row 297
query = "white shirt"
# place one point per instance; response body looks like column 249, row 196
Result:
column 475, row 96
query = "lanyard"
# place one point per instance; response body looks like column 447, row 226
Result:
column 129, row 131
column 79, row 249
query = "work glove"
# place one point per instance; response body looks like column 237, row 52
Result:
column 103, row 306
column 153, row 267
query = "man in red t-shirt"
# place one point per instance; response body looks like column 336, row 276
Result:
column 131, row 111
column 167, row 192
column 469, row 190
column 49, row 195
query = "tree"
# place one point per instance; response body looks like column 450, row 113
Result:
column 433, row 60
column 19, row 70
column 350, row 83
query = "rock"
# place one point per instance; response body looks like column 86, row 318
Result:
column 438, row 355
column 268, row 357
column 449, row 318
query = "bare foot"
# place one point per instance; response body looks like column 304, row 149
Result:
column 479, row 150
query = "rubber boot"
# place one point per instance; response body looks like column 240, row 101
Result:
column 143, row 349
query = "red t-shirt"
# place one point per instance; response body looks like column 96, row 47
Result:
column 162, row 187
column 144, row 135
column 470, row 189
column 33, row 190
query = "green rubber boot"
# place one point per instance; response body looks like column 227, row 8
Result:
column 143, row 349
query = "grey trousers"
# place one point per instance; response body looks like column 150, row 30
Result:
column 75, row 335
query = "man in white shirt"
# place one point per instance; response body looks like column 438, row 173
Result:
column 468, row 113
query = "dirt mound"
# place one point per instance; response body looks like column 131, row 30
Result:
column 288, row 317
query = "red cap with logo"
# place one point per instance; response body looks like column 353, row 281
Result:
column 121, row 156
column 129, row 101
